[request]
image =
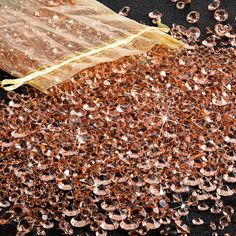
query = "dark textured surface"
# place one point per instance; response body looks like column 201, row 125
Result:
column 139, row 11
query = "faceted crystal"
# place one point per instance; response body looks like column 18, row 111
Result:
column 124, row 11
column 225, row 191
column 65, row 185
column 165, row 221
column 108, row 205
column 117, row 215
column 201, row 195
column 216, row 210
column 25, row 226
column 109, row 224
column 4, row 203
column 183, row 212
column 157, row 190
column 102, row 180
column 191, row 181
column 232, row 42
column 71, row 210
column 47, row 176
column 142, row 230
column 180, row 5
column 94, row 226
column 214, row 234
column 230, row 177
column 78, row 221
column 179, row 188
column 228, row 211
column 152, row 179
column 221, row 15
column 192, row 201
column 155, row 14
column 209, row 41
column 212, row 225
column 6, row 217
column 194, row 32
column 193, row 17
column 208, row 30
column 128, row 224
column 101, row 232
column 208, row 186
column 225, row 221
column 197, row 221
column 40, row 231
column 214, row 5
column 182, row 227
column 100, row 190
column 47, row 224
column 220, row 29
column 151, row 223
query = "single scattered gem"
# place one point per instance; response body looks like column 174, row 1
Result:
column 180, row 5
column 154, row 14
column 213, row 226
column 194, row 32
column 220, row 29
column 228, row 211
column 214, row 5
column 202, row 206
column 124, row 11
column 197, row 221
column 225, row 221
column 221, row 15
column 193, row 17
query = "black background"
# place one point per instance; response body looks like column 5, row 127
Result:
column 139, row 12
column 140, row 9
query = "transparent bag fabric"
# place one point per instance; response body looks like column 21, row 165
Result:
column 45, row 42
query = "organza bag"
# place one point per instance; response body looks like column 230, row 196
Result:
column 45, row 42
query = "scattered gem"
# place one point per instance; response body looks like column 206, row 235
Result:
column 124, row 11
column 214, row 5
column 180, row 5
column 193, row 17
column 221, row 15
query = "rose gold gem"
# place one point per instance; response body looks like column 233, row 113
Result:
column 180, row 5
column 221, row 15
column 197, row 221
column 214, row 5
column 193, row 17
column 124, row 11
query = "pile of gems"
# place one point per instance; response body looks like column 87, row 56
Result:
column 135, row 144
